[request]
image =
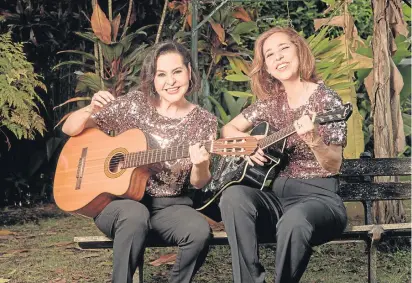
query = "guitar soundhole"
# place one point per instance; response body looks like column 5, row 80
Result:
column 116, row 163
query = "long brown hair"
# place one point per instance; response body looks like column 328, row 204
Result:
column 263, row 84
column 148, row 71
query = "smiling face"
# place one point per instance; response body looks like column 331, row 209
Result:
column 281, row 57
column 172, row 77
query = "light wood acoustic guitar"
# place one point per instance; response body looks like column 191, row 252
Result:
column 94, row 168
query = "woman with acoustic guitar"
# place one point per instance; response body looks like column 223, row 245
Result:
column 160, row 109
column 302, row 209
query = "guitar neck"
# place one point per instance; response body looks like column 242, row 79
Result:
column 279, row 135
column 136, row 159
column 290, row 130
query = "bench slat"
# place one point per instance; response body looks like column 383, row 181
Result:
column 376, row 167
column 220, row 237
column 374, row 191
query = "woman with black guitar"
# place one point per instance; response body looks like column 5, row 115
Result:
column 302, row 209
column 160, row 109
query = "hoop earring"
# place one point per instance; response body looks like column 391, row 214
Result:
column 152, row 91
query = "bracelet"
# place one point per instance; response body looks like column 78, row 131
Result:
column 316, row 142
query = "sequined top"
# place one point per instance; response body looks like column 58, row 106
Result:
column 133, row 110
column 275, row 110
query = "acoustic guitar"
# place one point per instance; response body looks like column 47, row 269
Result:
column 94, row 168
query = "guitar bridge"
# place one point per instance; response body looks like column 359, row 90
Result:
column 80, row 168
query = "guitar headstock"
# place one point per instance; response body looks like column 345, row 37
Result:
column 235, row 146
column 341, row 113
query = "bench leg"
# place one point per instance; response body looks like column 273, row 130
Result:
column 141, row 272
column 371, row 247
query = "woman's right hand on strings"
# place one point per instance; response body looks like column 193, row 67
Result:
column 100, row 99
column 258, row 157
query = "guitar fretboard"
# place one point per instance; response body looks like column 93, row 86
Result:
column 136, row 159
column 290, row 130
column 279, row 135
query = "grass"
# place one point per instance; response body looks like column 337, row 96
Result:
column 43, row 251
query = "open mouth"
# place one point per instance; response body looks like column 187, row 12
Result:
column 173, row 90
column 282, row 66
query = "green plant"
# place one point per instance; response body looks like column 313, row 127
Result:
column 115, row 64
column 18, row 82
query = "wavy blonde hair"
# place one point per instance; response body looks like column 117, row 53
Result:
column 263, row 84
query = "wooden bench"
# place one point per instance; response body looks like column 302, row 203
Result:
column 355, row 184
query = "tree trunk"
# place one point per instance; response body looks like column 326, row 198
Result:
column 385, row 106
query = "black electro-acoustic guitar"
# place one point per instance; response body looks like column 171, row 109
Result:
column 235, row 170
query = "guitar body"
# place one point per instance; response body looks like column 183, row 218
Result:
column 235, row 170
column 88, row 174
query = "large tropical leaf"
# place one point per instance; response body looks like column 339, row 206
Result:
column 101, row 25
column 237, row 78
column 225, row 118
column 88, row 35
column 92, row 81
column 112, row 52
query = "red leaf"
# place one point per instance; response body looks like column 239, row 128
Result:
column 62, row 120
column 101, row 25
column 72, row 100
column 115, row 26
column 189, row 20
column 241, row 14
column 219, row 31
column 6, row 232
column 164, row 259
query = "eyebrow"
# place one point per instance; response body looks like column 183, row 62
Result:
column 270, row 49
column 172, row 70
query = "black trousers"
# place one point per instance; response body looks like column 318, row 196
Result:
column 311, row 214
column 172, row 219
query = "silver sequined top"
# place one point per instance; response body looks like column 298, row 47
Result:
column 133, row 110
column 275, row 110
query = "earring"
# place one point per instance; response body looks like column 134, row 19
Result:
column 152, row 91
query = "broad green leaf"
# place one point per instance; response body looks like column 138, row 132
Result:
column 240, row 94
column 236, row 37
column 231, row 104
column 233, row 65
column 244, row 27
column 223, row 114
column 321, row 47
column 127, row 40
column 402, row 45
column 88, row 35
column 406, row 12
column 343, row 71
column 355, row 138
column 138, row 54
column 406, row 127
column 92, row 80
column 340, row 86
column 405, row 70
column 112, row 52
column 237, row 78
